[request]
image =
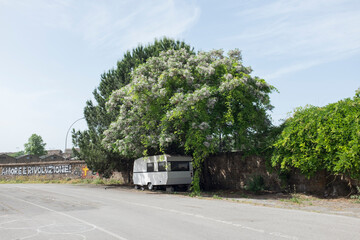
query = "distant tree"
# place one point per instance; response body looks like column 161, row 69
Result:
column 98, row 119
column 35, row 146
column 17, row 154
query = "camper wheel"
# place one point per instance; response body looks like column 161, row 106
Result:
column 150, row 186
column 136, row 186
column 142, row 188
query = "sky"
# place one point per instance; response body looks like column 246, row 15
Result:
column 52, row 52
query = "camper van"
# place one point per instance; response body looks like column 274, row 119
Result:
column 162, row 171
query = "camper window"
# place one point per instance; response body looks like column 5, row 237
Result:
column 161, row 166
column 150, row 167
column 180, row 166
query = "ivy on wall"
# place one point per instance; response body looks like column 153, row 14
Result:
column 322, row 138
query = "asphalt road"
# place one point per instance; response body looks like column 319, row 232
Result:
column 31, row 211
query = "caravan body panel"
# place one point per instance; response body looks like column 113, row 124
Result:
column 162, row 170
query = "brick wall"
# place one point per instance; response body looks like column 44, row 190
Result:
column 4, row 159
column 233, row 171
column 322, row 184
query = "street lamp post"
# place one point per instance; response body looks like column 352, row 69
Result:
column 69, row 131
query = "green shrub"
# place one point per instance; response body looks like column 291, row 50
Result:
column 322, row 138
column 255, row 184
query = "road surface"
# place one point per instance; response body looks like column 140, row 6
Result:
column 72, row 212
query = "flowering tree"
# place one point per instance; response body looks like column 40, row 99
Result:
column 197, row 104
column 97, row 157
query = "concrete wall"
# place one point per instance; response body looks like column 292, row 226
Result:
column 46, row 170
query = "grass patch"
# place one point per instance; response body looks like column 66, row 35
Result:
column 216, row 197
column 194, row 194
column 98, row 181
column 356, row 197
column 113, row 182
column 294, row 199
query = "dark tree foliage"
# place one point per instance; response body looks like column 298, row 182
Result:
column 98, row 119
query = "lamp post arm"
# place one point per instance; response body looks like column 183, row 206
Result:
column 67, row 133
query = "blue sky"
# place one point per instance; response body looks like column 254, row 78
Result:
column 53, row 52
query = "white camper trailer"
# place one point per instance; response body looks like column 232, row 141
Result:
column 162, row 170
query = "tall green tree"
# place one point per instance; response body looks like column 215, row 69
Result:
column 35, row 146
column 322, row 138
column 197, row 104
column 97, row 157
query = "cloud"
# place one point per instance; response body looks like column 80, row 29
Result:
column 302, row 33
column 89, row 27
column 114, row 24
column 130, row 24
column 169, row 19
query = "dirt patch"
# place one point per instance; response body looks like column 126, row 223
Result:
column 339, row 206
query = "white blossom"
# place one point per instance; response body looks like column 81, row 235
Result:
column 211, row 102
column 204, row 126
column 235, row 54
column 228, row 76
column 168, row 93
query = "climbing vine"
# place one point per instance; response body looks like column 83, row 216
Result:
column 322, row 138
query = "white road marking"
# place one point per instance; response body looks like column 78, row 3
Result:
column 7, row 222
column 198, row 216
column 189, row 214
column 33, row 235
column 72, row 217
column 282, row 235
column 39, row 230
